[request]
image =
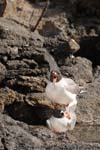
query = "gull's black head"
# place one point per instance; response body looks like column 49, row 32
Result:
column 58, row 113
column 55, row 76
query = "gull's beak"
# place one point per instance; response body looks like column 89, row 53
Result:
column 54, row 80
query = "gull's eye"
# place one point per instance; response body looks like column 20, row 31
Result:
column 62, row 113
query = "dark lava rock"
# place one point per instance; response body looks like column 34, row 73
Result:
column 3, row 72
column 80, row 66
column 15, row 137
column 26, row 59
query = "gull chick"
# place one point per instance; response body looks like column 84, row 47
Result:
column 62, row 90
column 63, row 124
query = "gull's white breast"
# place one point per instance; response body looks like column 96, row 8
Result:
column 57, row 92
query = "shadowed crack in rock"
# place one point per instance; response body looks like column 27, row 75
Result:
column 32, row 115
column 90, row 49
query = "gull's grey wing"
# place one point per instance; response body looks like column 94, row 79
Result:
column 71, row 86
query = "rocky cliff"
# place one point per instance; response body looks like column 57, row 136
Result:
column 26, row 58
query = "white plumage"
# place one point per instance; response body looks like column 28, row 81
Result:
column 63, row 92
column 62, row 124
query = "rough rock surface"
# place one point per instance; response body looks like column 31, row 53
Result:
column 26, row 59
